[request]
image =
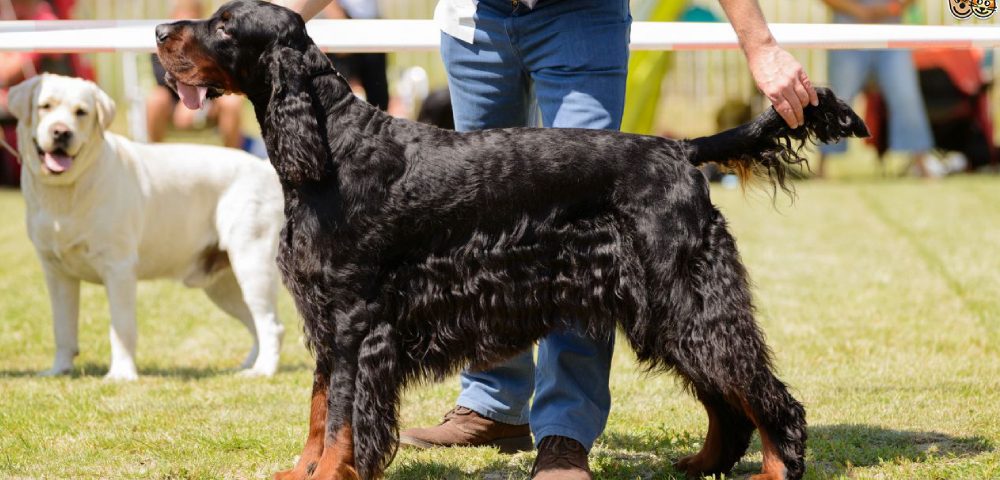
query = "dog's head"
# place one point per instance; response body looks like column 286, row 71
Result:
column 63, row 115
column 260, row 50
column 230, row 52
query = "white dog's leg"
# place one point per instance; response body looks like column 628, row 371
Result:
column 226, row 294
column 121, row 288
column 257, row 274
column 64, row 296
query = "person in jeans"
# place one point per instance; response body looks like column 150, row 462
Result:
column 510, row 62
column 909, row 127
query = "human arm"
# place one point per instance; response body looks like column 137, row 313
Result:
column 307, row 8
column 12, row 67
column 777, row 74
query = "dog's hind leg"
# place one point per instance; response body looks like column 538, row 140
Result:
column 728, row 437
column 252, row 261
column 701, row 325
column 313, row 449
column 734, row 410
column 225, row 293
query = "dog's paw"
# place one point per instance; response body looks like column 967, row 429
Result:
column 256, row 373
column 293, row 474
column 56, row 370
column 248, row 363
column 121, row 375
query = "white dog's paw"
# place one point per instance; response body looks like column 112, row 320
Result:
column 121, row 375
column 257, row 372
column 250, row 360
column 56, row 370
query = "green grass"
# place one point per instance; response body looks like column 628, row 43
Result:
column 879, row 298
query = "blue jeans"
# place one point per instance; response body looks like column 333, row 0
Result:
column 567, row 61
column 909, row 128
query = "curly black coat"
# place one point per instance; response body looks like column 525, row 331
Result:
column 413, row 251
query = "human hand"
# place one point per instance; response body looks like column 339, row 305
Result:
column 781, row 78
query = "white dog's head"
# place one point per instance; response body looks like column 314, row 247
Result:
column 63, row 114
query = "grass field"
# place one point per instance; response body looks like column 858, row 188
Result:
column 879, row 298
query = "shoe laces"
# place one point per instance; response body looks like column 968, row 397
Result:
column 562, row 447
column 454, row 413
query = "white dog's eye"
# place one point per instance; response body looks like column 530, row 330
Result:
column 80, row 112
column 44, row 106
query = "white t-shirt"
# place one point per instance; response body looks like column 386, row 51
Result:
column 458, row 17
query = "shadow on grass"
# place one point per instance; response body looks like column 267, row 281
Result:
column 833, row 451
column 427, row 470
column 92, row 370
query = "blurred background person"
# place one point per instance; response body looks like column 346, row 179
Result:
column 893, row 70
column 18, row 66
column 163, row 107
column 366, row 72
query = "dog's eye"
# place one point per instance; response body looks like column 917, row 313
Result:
column 80, row 112
column 221, row 30
column 44, row 106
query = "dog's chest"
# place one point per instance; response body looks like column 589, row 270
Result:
column 66, row 241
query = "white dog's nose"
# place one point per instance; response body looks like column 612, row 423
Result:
column 61, row 133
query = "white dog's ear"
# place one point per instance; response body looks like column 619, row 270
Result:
column 20, row 97
column 105, row 107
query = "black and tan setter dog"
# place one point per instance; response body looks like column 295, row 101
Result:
column 413, row 251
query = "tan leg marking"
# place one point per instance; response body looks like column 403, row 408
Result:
column 313, row 449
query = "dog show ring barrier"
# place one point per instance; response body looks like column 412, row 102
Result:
column 79, row 36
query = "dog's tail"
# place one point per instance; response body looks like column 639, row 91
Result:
column 766, row 147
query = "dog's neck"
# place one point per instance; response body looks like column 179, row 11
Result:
column 342, row 121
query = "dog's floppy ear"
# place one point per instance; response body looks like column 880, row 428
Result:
column 105, row 106
column 294, row 142
column 20, row 97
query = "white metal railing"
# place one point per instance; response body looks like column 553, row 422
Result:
column 700, row 79
column 406, row 35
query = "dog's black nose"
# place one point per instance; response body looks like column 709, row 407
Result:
column 61, row 133
column 162, row 32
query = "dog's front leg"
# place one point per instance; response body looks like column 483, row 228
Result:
column 64, row 296
column 120, row 283
column 337, row 461
column 313, row 449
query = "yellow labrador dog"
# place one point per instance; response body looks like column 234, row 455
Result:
column 103, row 209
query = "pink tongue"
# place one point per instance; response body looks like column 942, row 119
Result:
column 193, row 97
column 57, row 163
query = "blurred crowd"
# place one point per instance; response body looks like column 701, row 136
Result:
column 929, row 104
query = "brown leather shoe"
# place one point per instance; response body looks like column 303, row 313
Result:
column 462, row 427
column 561, row 458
